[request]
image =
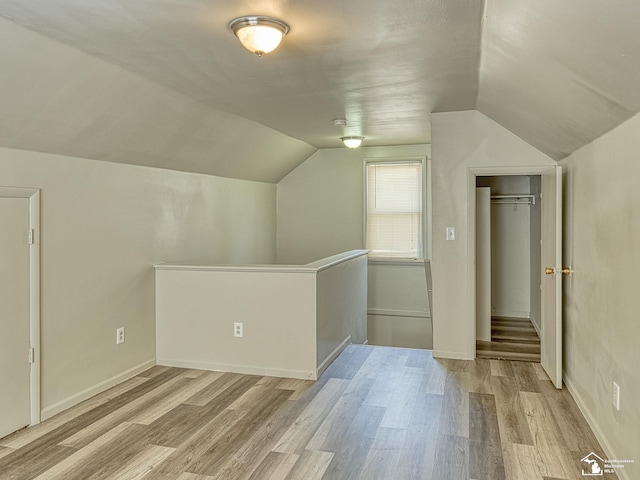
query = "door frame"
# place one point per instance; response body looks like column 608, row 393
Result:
column 33, row 195
column 472, row 174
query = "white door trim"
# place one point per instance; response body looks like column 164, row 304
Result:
column 33, row 194
column 472, row 173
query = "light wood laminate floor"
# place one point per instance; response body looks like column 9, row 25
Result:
column 376, row 413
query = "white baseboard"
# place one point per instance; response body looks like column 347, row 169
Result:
column 510, row 313
column 332, row 356
column 450, row 355
column 244, row 369
column 398, row 313
column 87, row 393
column 534, row 322
column 604, row 443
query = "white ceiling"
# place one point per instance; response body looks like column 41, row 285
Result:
column 558, row 74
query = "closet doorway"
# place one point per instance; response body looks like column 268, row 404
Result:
column 550, row 270
column 508, row 259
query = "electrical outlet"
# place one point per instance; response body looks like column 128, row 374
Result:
column 451, row 233
column 616, row 396
column 119, row 335
column 238, row 330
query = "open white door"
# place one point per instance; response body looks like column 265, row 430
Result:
column 551, row 341
column 15, row 368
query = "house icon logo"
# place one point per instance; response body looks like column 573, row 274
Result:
column 592, row 465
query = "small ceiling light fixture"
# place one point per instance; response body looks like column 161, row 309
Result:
column 259, row 34
column 352, row 142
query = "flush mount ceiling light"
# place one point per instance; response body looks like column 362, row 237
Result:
column 259, row 34
column 352, row 142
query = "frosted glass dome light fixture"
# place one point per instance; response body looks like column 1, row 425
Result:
column 259, row 34
column 352, row 142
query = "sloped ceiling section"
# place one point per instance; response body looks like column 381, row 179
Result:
column 560, row 73
column 382, row 65
column 56, row 99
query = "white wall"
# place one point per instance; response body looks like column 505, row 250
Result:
column 535, row 213
column 103, row 227
column 602, row 326
column 462, row 140
column 320, row 213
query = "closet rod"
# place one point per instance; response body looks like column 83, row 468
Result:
column 529, row 199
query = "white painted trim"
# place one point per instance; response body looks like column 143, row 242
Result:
column 243, row 369
column 398, row 313
column 332, row 356
column 511, row 314
column 535, row 325
column 33, row 195
column 450, row 355
column 87, row 393
column 403, row 262
column 313, row 267
column 602, row 439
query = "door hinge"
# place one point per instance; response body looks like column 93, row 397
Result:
column 32, row 355
column 32, row 236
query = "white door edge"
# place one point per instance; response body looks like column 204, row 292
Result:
column 33, row 194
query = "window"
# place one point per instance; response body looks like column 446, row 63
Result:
column 394, row 216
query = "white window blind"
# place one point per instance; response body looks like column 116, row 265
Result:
column 394, row 209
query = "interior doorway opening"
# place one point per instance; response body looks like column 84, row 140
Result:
column 508, row 259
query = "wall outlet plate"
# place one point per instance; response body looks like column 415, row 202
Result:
column 616, row 396
column 119, row 335
column 238, row 330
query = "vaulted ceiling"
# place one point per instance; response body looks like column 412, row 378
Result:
column 164, row 83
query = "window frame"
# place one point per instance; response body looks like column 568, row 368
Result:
column 424, row 218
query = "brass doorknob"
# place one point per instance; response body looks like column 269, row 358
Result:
column 567, row 271
column 549, row 271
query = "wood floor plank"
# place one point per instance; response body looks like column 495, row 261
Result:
column 452, row 458
column 349, row 459
column 454, row 419
column 169, row 401
column 480, row 376
column 275, row 466
column 434, row 378
column 405, row 394
column 419, row 448
column 501, row 368
column 485, row 448
column 512, row 420
column 298, row 435
column 217, row 387
column 311, row 465
column 140, row 465
column 384, row 454
column 330, row 433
